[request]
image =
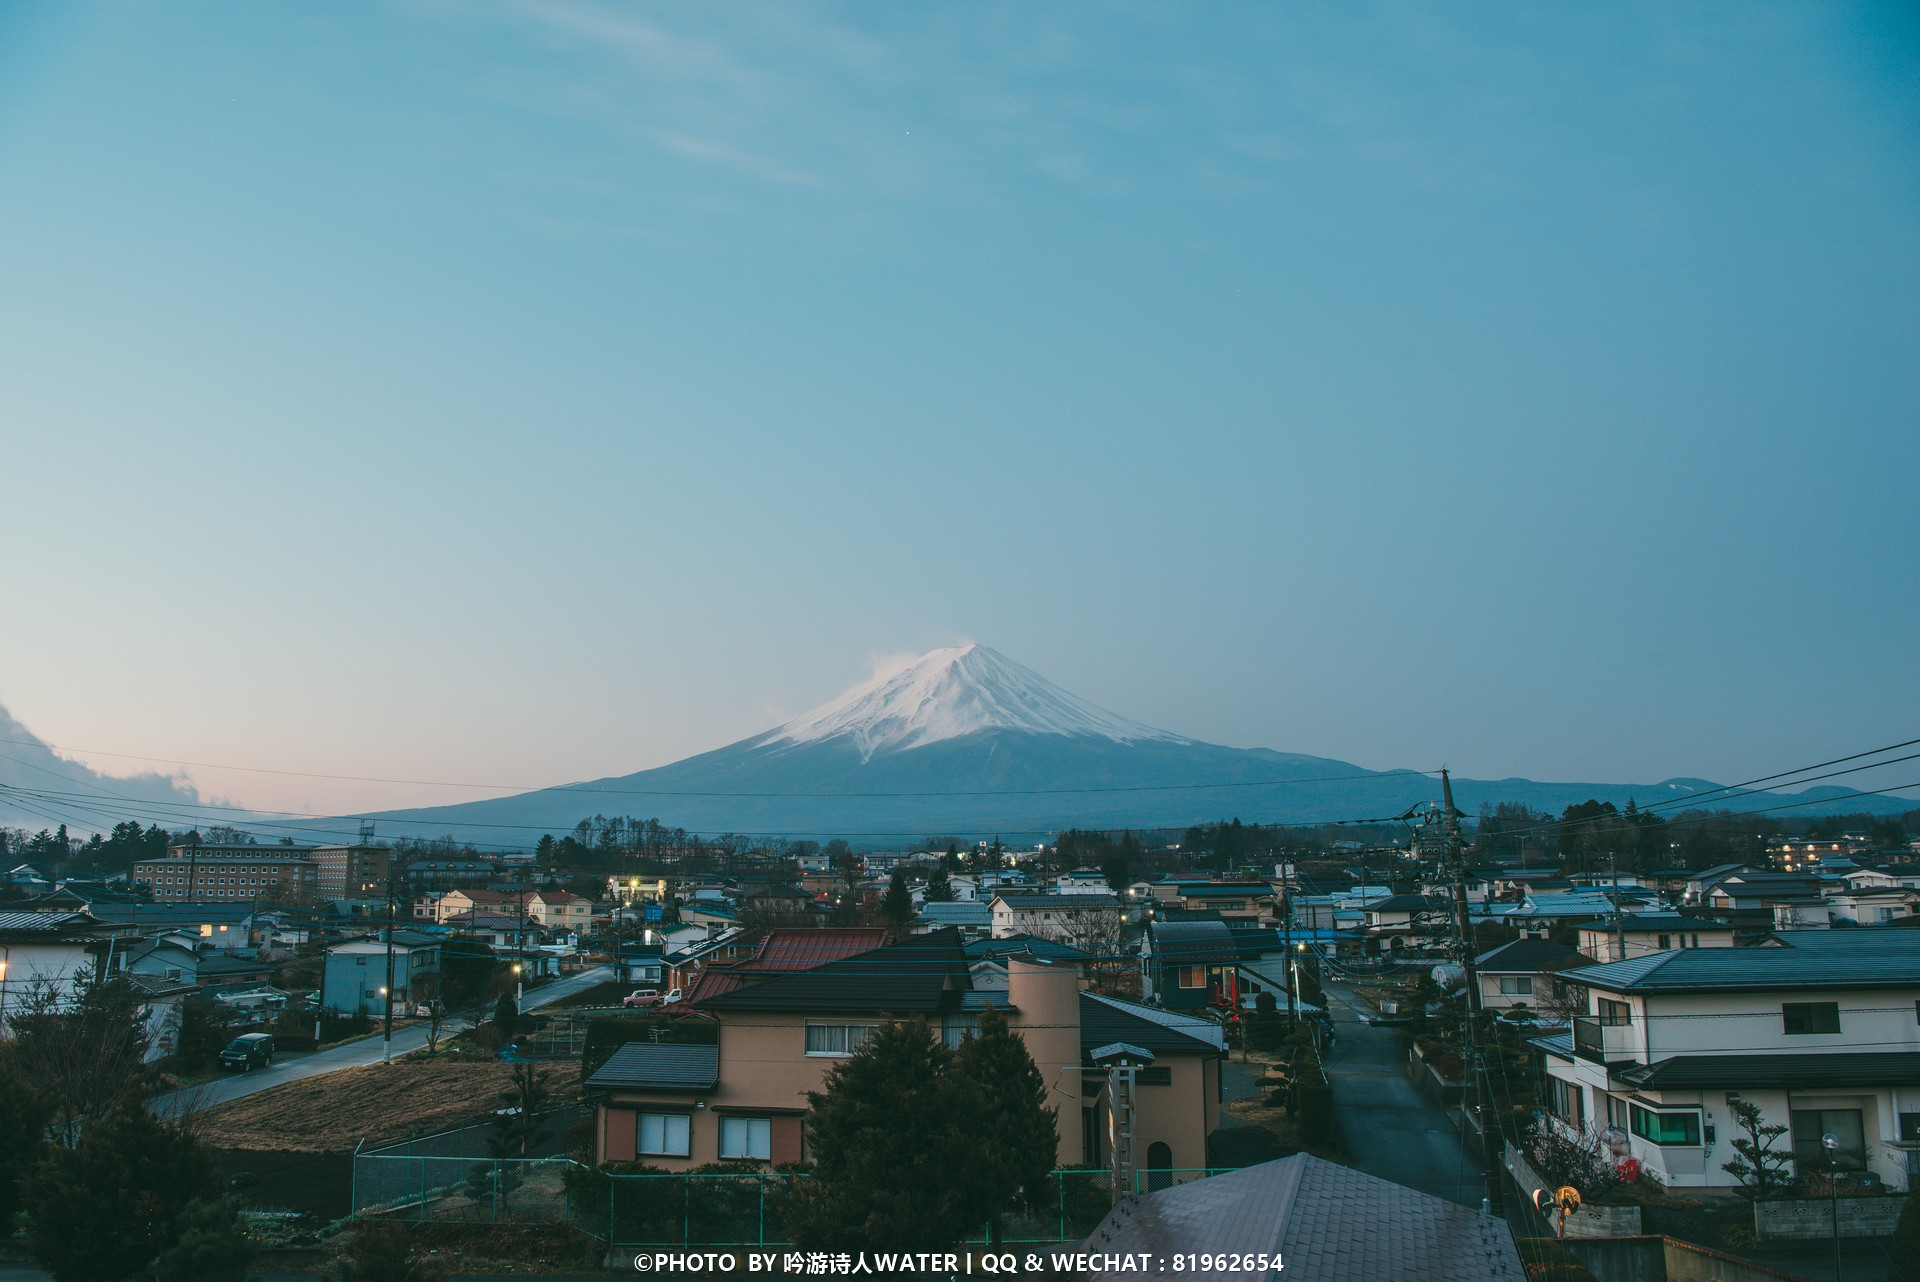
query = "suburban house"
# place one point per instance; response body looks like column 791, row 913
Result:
column 1069, row 917
column 970, row 915
column 1821, row 1032
column 1234, row 901
column 1401, row 920
column 1189, row 965
column 744, row 1098
column 481, row 899
column 356, row 972
column 52, row 953
column 560, row 910
column 1524, row 973
column 1637, row 934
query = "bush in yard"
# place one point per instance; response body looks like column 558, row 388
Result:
column 116, row 1200
column 211, row 1246
column 1904, row 1250
column 379, row 1251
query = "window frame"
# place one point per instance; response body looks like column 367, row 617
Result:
column 846, row 1039
column 1516, row 985
column 1816, row 1016
column 765, row 1134
column 1636, row 1110
column 666, row 1121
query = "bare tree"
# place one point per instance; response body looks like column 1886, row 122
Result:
column 83, row 1053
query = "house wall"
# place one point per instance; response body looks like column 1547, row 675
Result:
column 31, row 967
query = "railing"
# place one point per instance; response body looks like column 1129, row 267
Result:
column 1604, row 1037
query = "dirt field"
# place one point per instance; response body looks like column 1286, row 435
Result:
column 380, row 1102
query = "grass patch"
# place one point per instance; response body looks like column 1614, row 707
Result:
column 380, row 1102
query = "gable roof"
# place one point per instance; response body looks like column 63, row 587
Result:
column 1192, row 943
column 1105, row 1020
column 1338, row 1224
column 659, row 1066
column 1880, row 960
column 908, row 977
column 1029, row 945
column 1064, row 903
column 1530, row 956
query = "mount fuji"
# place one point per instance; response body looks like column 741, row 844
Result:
column 967, row 742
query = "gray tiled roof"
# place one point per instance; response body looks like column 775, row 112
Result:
column 1778, row 1072
column 659, row 1066
column 1530, row 956
column 1071, row 903
column 1882, row 959
column 1328, row 1222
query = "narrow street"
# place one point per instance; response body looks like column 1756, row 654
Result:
column 355, row 1054
column 1388, row 1128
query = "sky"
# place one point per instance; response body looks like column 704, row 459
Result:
column 532, row 391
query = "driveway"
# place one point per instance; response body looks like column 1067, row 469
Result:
column 357, row 1054
column 1387, row 1128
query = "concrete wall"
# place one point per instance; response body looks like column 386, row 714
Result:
column 1812, row 1219
column 1665, row 1259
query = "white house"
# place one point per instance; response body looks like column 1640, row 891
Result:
column 1821, row 1033
column 1063, row 917
column 47, row 954
column 1639, row 934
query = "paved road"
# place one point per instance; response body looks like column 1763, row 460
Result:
column 369, row 1050
column 1387, row 1127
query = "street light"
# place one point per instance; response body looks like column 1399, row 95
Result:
column 519, row 988
column 1831, row 1143
column 386, row 1055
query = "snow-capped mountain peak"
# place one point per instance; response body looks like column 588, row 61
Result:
column 955, row 691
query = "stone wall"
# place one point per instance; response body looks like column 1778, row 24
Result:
column 1811, row 1219
column 1593, row 1219
column 1665, row 1259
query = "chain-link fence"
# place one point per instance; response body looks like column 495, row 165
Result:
column 452, row 1176
column 675, row 1210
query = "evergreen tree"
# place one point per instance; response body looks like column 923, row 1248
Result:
column 1018, row 1130
column 897, row 907
column 23, row 1124
column 940, row 889
column 111, row 1204
column 896, row 1150
column 210, row 1246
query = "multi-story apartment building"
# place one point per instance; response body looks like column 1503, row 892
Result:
column 351, row 872
column 231, row 874
column 1820, row 1032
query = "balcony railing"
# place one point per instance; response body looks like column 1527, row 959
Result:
column 1603, row 1037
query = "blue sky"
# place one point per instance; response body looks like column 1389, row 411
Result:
column 533, row 391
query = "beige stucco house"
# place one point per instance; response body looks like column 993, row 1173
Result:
column 744, row 1098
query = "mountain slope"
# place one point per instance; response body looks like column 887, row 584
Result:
column 969, row 743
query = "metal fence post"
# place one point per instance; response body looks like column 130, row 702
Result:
column 760, row 1234
column 423, row 1189
column 1060, row 1178
column 686, row 1209
column 496, row 1191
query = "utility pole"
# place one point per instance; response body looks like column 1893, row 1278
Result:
column 1472, row 1040
column 1293, row 977
column 387, row 1055
column 1619, row 928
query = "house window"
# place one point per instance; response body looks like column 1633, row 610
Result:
column 1679, row 1128
column 1616, row 1112
column 1811, row 1125
column 664, row 1134
column 837, row 1039
column 1516, row 985
column 1666, row 942
column 1567, row 1101
column 746, row 1137
column 1811, row 1017
column 1193, row 977
column 1614, row 1014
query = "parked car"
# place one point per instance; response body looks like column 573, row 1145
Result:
column 642, row 997
column 247, row 1051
